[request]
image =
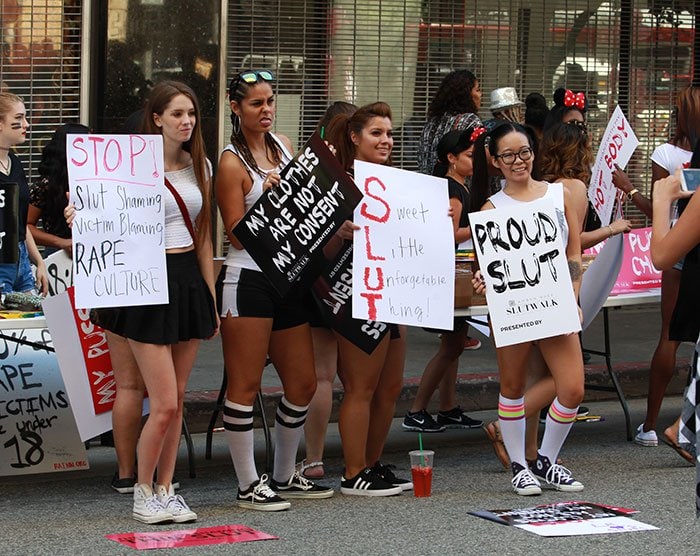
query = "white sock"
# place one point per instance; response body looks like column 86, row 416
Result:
column 556, row 429
column 511, row 418
column 238, row 422
column 289, row 426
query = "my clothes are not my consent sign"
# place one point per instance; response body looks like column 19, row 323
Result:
column 117, row 186
column 523, row 260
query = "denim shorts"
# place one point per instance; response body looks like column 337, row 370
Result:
column 18, row 277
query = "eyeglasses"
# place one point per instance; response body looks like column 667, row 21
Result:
column 250, row 77
column 578, row 124
column 523, row 154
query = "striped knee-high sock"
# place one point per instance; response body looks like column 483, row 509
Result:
column 289, row 426
column 238, row 422
column 557, row 427
column 511, row 418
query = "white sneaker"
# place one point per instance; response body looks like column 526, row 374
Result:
column 175, row 504
column 148, row 507
column 647, row 438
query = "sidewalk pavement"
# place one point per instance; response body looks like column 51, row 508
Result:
column 634, row 332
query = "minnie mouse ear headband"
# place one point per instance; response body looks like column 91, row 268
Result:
column 457, row 141
column 570, row 99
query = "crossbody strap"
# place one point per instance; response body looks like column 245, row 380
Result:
column 181, row 205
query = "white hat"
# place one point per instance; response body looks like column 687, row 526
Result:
column 505, row 97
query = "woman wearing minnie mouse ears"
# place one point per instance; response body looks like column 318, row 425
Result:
column 569, row 106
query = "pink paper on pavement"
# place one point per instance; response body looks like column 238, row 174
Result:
column 637, row 273
column 221, row 534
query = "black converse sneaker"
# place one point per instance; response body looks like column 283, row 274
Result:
column 259, row 496
column 524, row 482
column 300, row 487
column 421, row 421
column 386, row 472
column 368, row 483
column 555, row 475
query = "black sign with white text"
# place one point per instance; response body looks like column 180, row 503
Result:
column 9, row 223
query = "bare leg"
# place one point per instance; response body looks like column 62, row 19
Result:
column 127, row 409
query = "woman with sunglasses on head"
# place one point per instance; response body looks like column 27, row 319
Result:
column 18, row 277
column 162, row 340
column 511, row 148
column 454, row 162
column 256, row 322
column 372, row 382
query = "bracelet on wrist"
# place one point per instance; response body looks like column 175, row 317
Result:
column 610, row 229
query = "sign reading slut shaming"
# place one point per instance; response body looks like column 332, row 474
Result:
column 286, row 229
column 403, row 253
column 523, row 260
column 616, row 148
column 117, row 187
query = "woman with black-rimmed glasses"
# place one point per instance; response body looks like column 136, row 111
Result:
column 511, row 149
column 255, row 320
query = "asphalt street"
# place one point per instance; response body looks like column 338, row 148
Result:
column 70, row 513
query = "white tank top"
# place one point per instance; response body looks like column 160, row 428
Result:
column 185, row 183
column 555, row 192
column 240, row 257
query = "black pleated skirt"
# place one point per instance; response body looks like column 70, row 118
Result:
column 190, row 314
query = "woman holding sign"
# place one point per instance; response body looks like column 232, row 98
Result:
column 255, row 320
column 17, row 276
column 163, row 339
column 372, row 381
column 511, row 148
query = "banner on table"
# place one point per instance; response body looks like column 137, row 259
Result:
column 333, row 293
column 523, row 260
column 59, row 267
column 616, row 148
column 404, row 258
column 9, row 223
column 117, row 186
column 83, row 357
column 37, row 430
column 286, row 229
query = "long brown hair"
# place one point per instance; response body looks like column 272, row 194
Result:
column 158, row 101
column 687, row 118
column 565, row 152
column 343, row 125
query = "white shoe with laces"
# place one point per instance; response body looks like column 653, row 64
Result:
column 148, row 507
column 646, row 438
column 175, row 504
column 523, row 481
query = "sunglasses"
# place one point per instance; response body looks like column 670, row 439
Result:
column 250, row 77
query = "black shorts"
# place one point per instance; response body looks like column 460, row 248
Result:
column 189, row 314
column 241, row 292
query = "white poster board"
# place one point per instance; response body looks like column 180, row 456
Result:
column 403, row 254
column 616, row 148
column 73, row 368
column 116, row 184
column 59, row 267
column 523, row 260
column 37, row 430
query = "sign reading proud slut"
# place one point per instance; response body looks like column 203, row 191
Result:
column 117, row 187
column 523, row 260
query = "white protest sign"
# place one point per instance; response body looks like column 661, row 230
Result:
column 74, row 370
column 403, row 255
column 116, row 183
column 616, row 148
column 523, row 260
column 59, row 267
column 37, row 430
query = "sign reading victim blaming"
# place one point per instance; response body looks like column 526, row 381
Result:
column 287, row 228
column 616, row 148
column 523, row 260
column 117, row 187
column 403, row 258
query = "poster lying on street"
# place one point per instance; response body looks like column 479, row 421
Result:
column 523, row 261
column 404, row 257
column 117, row 186
column 286, row 229
column 567, row 519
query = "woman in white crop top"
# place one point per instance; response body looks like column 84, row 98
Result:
column 511, row 149
column 156, row 345
column 256, row 322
